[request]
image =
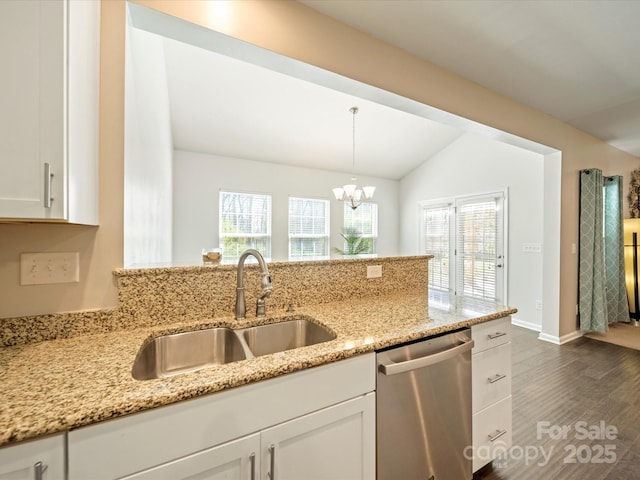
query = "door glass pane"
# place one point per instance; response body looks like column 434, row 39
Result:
column 478, row 233
column 436, row 239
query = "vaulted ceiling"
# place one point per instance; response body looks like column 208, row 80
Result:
column 575, row 60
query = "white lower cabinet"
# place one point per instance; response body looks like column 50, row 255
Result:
column 313, row 424
column 334, row 443
column 237, row 460
column 491, row 390
column 41, row 459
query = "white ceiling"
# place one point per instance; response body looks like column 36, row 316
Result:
column 575, row 60
column 223, row 106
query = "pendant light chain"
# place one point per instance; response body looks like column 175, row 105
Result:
column 351, row 193
column 354, row 110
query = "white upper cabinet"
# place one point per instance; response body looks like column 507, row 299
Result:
column 49, row 98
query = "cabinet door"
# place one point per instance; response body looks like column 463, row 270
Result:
column 237, row 460
column 19, row 462
column 336, row 443
column 31, row 107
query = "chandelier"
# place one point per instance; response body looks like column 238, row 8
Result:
column 352, row 194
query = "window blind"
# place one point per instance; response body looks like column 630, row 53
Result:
column 363, row 220
column 308, row 228
column 245, row 222
column 436, row 226
column 479, row 234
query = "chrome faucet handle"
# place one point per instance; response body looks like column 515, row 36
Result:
column 261, row 309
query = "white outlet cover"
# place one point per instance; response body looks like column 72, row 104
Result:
column 52, row 267
column 374, row 271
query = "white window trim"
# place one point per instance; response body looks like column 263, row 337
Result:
column 374, row 235
column 326, row 236
column 455, row 201
column 268, row 234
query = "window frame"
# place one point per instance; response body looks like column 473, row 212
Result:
column 374, row 225
column 326, row 235
column 455, row 280
column 255, row 236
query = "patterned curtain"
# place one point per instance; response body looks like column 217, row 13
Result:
column 614, row 276
column 591, row 301
column 603, row 296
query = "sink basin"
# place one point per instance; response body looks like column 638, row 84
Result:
column 177, row 353
column 185, row 352
column 278, row 337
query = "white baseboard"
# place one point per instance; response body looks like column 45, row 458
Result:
column 528, row 325
column 560, row 340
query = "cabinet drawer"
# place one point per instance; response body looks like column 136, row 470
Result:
column 491, row 433
column 491, row 373
column 491, row 334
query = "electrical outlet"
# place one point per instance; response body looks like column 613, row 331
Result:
column 532, row 247
column 43, row 268
column 538, row 304
column 374, row 271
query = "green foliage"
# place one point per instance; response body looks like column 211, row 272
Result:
column 354, row 242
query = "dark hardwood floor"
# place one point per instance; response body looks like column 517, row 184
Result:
column 579, row 385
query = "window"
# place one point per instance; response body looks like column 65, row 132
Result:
column 436, row 235
column 360, row 229
column 466, row 238
column 245, row 222
column 308, row 228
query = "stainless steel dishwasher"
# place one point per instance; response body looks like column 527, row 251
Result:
column 424, row 409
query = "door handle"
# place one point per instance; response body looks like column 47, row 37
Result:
column 38, row 470
column 48, row 176
column 495, row 435
column 272, row 464
column 401, row 367
column 252, row 460
column 493, row 336
column 496, row 377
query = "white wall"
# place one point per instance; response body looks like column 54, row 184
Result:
column 148, row 153
column 198, row 179
column 475, row 165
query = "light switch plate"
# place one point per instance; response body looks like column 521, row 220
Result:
column 532, row 247
column 51, row 267
column 374, row 271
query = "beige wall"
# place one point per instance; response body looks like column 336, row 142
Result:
column 294, row 30
column 100, row 247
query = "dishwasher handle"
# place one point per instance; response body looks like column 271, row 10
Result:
column 401, row 367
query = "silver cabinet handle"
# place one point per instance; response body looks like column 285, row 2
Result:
column 38, row 470
column 401, row 367
column 252, row 460
column 496, row 377
column 272, row 466
column 495, row 435
column 493, row 336
column 47, row 185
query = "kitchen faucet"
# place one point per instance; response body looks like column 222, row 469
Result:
column 241, row 308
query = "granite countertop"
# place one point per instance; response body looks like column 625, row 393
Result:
column 58, row 385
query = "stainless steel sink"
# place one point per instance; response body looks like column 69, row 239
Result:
column 278, row 337
column 177, row 353
column 185, row 352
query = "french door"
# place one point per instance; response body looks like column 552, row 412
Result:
column 466, row 236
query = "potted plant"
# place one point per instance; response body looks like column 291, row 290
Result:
column 355, row 243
